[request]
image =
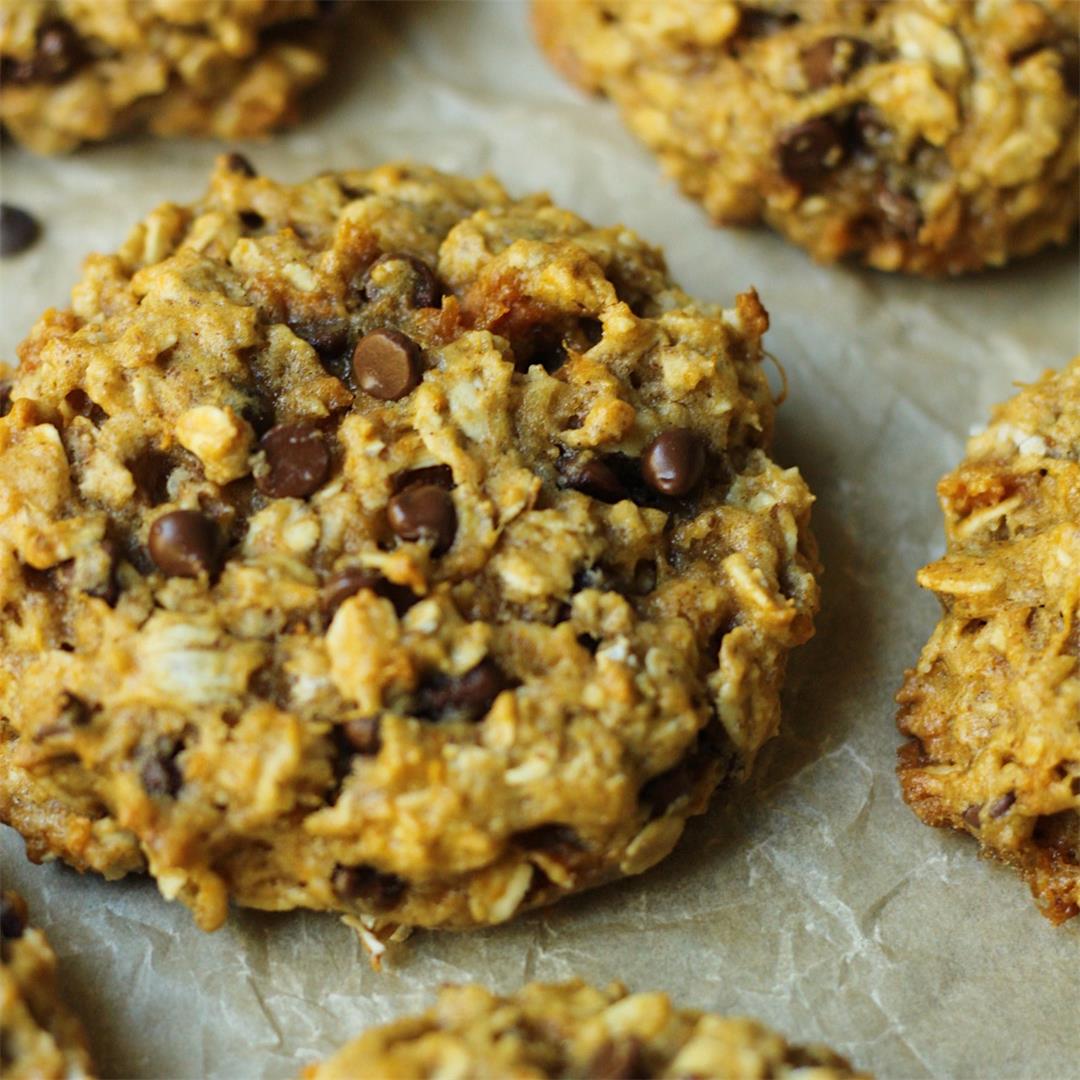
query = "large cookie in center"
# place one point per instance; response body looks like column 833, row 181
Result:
column 387, row 545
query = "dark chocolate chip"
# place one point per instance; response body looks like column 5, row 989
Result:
column 467, row 697
column 618, row 1059
column 559, row 841
column 809, row 151
column 673, row 462
column 350, row 581
column 424, row 290
column 439, row 475
column 329, row 337
column 150, row 471
column 381, row 891
column 80, row 403
column 18, row 230
column 160, row 773
column 364, row 735
column 386, row 364
column 12, row 919
column 834, row 59
column 971, row 815
column 58, row 53
column 1000, row 806
column 593, row 477
column 424, row 512
column 184, row 543
column 297, row 460
column 240, row 165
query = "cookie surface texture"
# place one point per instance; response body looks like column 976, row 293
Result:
column 574, row 1030
column 992, row 709
column 76, row 72
column 928, row 137
column 40, row 1039
column 388, row 545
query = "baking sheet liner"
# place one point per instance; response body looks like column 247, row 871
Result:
column 811, row 898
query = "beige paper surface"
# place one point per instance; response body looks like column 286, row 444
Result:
column 813, row 899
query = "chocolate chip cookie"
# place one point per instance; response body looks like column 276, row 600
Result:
column 574, row 1030
column 993, row 707
column 928, row 137
column 39, row 1038
column 74, row 72
column 387, row 545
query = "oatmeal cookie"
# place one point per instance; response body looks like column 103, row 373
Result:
column 993, row 706
column 75, row 71
column 928, row 136
column 39, row 1038
column 574, row 1030
column 387, row 545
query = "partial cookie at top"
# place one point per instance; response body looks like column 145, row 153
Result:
column 73, row 72
column 387, row 545
column 40, row 1038
column 992, row 709
column 928, row 137
column 575, row 1030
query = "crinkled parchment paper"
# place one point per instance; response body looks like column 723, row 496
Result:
column 812, row 899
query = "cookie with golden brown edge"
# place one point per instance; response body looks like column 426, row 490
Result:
column 929, row 137
column 573, row 1030
column 992, row 709
column 388, row 545
column 73, row 72
column 40, row 1039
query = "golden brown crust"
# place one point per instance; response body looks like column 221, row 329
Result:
column 993, row 707
column 929, row 137
column 574, row 1030
column 78, row 71
column 337, row 711
column 40, row 1039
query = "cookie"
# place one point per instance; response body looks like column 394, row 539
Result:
column 928, row 137
column 574, row 1030
column 387, row 545
column 73, row 72
column 992, row 710
column 40, row 1039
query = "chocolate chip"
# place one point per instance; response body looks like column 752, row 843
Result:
column 150, row 471
column 12, row 918
column 18, row 230
column 834, row 59
column 424, row 290
column 593, row 477
column 364, row 735
column 386, row 364
column 1070, row 72
column 80, row 403
column 1000, row 806
column 439, row 475
column 756, row 22
column 809, row 151
column 297, row 461
column 381, row 891
column 466, row 697
column 329, row 337
column 160, row 774
column 5, row 398
column 58, row 53
column 559, row 841
column 350, row 581
column 184, row 543
column 258, row 411
column 867, row 131
column 673, row 462
column 240, row 165
column 424, row 512
column 618, row 1059
column 971, row 815
column 251, row 220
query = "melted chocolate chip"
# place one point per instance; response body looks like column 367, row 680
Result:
column 363, row 735
column 618, row 1059
column 466, row 697
column 381, row 891
column 160, row 773
column 12, row 920
column 1000, row 806
column 18, row 230
column 673, row 462
column 386, row 364
column 184, row 543
column 424, row 512
column 834, row 59
column 423, row 287
column 240, row 165
column 297, row 460
column 808, row 152
column 592, row 477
